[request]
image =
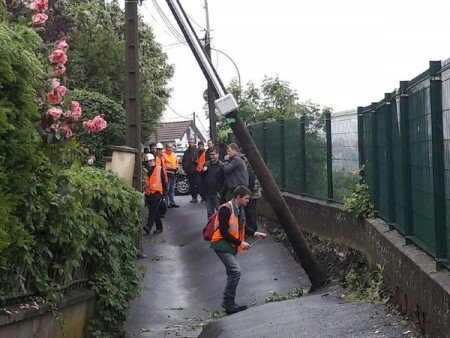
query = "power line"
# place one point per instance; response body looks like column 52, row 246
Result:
column 183, row 116
column 154, row 19
column 167, row 22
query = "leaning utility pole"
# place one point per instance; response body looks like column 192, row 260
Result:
column 211, row 107
column 132, row 90
column 227, row 106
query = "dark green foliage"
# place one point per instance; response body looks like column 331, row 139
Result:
column 20, row 76
column 55, row 214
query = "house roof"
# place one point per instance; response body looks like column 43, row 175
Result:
column 168, row 132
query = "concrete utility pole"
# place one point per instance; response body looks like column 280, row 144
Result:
column 132, row 90
column 271, row 190
column 211, row 107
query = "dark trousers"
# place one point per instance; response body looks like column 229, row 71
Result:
column 212, row 204
column 233, row 275
column 251, row 215
column 194, row 184
column 153, row 216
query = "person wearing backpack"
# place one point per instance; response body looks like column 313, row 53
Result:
column 229, row 239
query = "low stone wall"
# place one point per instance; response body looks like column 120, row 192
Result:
column 420, row 289
column 76, row 308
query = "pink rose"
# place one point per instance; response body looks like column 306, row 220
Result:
column 62, row 44
column 53, row 97
column 58, row 56
column 55, row 83
column 38, row 5
column 54, row 113
column 65, row 129
column 61, row 90
column 76, row 113
column 59, row 70
column 95, row 125
column 39, row 19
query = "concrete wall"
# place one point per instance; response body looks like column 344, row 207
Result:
column 420, row 289
column 76, row 308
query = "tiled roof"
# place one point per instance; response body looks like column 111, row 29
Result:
column 170, row 131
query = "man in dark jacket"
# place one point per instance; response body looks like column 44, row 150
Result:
column 213, row 182
column 189, row 165
column 235, row 170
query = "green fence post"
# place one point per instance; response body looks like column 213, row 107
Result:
column 437, row 140
column 390, row 160
column 303, row 155
column 283, row 156
column 375, row 165
column 329, row 156
column 360, row 136
column 406, row 161
column 264, row 150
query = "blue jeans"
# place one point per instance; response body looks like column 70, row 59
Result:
column 171, row 189
column 234, row 274
column 212, row 204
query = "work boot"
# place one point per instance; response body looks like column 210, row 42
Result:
column 147, row 229
column 231, row 308
column 157, row 231
column 194, row 200
column 174, row 205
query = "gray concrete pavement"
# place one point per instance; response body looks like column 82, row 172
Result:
column 182, row 291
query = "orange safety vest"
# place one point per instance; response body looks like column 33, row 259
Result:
column 233, row 226
column 201, row 162
column 154, row 183
column 159, row 162
column 170, row 161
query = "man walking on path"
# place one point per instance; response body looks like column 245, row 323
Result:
column 170, row 161
column 235, row 169
column 214, row 180
column 229, row 239
column 155, row 186
column 189, row 165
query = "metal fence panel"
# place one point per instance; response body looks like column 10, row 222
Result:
column 292, row 142
column 273, row 146
column 383, row 207
column 399, row 202
column 316, row 159
column 368, row 160
column 258, row 137
column 446, row 124
column 345, row 162
column 421, row 165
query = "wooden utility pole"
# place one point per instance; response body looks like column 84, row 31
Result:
column 132, row 90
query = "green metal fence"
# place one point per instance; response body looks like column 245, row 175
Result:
column 311, row 157
column 405, row 147
column 403, row 142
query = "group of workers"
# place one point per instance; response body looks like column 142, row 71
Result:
column 228, row 187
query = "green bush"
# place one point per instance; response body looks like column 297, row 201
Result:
column 359, row 201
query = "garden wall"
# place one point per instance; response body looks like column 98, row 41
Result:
column 419, row 288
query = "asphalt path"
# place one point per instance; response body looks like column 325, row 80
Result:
column 184, row 280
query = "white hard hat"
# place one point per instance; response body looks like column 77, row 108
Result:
column 159, row 145
column 149, row 157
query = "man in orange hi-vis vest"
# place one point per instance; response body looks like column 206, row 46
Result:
column 171, row 164
column 229, row 239
column 155, row 185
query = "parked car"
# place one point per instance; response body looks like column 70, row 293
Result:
column 181, row 183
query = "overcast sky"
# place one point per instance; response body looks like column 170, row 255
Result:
column 340, row 54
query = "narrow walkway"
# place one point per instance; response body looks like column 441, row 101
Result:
column 184, row 280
